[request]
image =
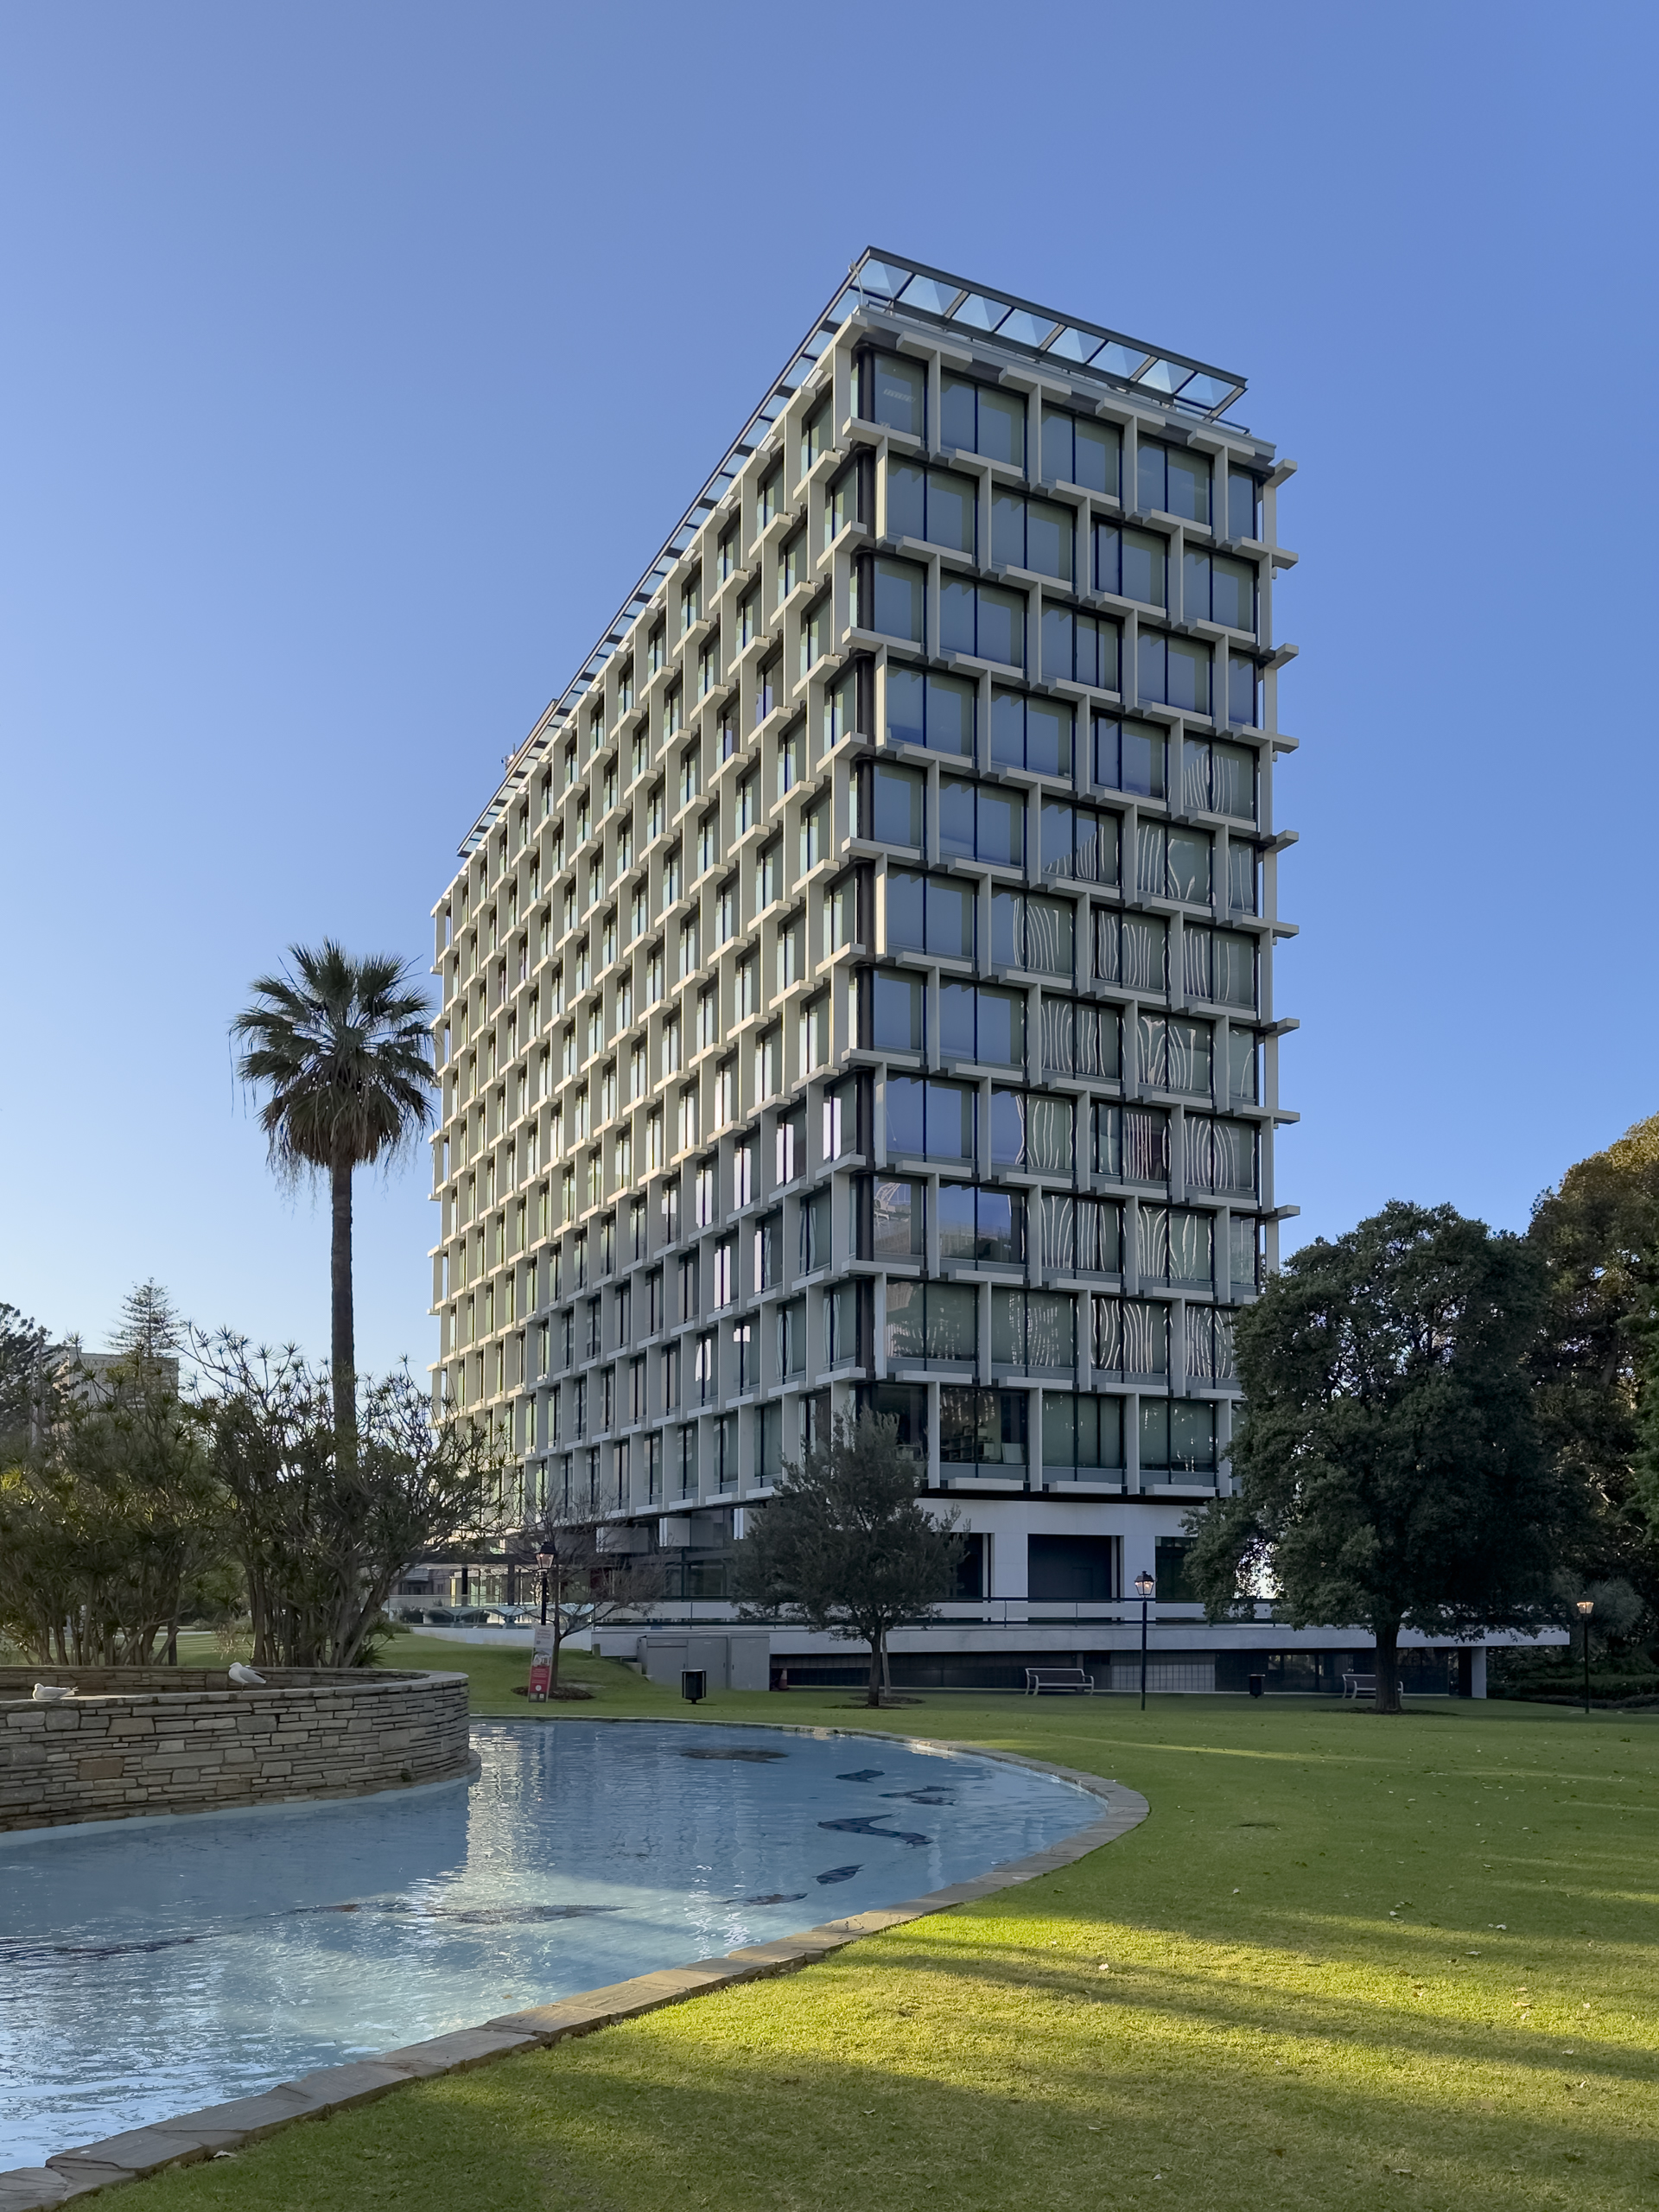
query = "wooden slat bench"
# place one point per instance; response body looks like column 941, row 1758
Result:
column 1077, row 1681
column 1358, row 1686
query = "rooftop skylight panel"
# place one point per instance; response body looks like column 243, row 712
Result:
column 1166, row 376
column 883, row 279
column 1076, row 344
column 1029, row 329
column 1119, row 360
column 928, row 293
column 1208, row 391
column 979, row 313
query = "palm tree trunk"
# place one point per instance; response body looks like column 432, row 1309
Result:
column 873, row 1695
column 344, row 1347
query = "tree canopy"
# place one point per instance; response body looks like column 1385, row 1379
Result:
column 341, row 1051
column 1391, row 1469
column 845, row 1544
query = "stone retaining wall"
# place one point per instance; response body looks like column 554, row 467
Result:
column 183, row 1739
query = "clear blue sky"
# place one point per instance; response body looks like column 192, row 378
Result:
column 356, row 357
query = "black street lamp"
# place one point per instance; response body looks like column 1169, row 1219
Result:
column 1144, row 1586
column 544, row 1560
column 1586, row 1606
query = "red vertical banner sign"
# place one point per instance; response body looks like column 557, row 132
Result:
column 541, row 1662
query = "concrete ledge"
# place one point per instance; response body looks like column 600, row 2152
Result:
column 198, row 2135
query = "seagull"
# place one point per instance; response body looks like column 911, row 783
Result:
column 244, row 1678
column 52, row 1692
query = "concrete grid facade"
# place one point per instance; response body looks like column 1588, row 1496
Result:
column 859, row 989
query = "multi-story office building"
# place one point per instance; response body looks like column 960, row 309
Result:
column 859, row 991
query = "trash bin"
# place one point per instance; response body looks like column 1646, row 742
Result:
column 1258, row 1684
column 694, row 1684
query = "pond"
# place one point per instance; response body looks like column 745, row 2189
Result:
column 152, row 1967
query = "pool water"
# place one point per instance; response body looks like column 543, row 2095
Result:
column 149, row 1969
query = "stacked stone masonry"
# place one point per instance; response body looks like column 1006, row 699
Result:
column 152, row 1740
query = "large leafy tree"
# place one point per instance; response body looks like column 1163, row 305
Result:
column 845, row 1544
column 1597, row 1359
column 112, row 1523
column 22, row 1352
column 1390, row 1467
column 341, row 1049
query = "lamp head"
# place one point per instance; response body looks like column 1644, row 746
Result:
column 1144, row 1585
column 1586, row 1606
column 544, row 1560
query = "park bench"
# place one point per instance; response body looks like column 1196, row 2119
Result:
column 1358, row 1686
column 1075, row 1679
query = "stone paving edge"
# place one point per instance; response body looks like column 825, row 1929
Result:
column 193, row 2137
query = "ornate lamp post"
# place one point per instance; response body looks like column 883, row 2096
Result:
column 1586, row 1606
column 1144, row 1586
column 544, row 1561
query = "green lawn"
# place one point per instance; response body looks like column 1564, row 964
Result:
column 1347, row 1963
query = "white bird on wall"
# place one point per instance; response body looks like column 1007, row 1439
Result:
column 52, row 1692
column 244, row 1678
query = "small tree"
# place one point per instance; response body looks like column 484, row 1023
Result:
column 846, row 1546
column 22, row 1352
column 323, row 1534
column 588, row 1583
column 1391, row 1472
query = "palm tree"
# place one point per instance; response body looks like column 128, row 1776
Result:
column 342, row 1049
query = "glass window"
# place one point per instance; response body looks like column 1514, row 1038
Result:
column 938, row 711
column 815, row 436
column 1217, row 589
column 891, row 804
column 1220, row 965
column 1243, row 1068
column 1131, row 1336
column 893, row 598
column 1244, row 691
column 979, row 821
column 1218, row 779
column 898, row 1012
column 1033, row 1328
column 980, row 620
column 1174, row 863
column 983, row 1024
column 932, row 1321
column 1134, row 563
column 898, row 1226
column 1084, row 1434
column 1177, row 1436
column 1175, row 671
column 842, row 700
column 1079, row 841
column 1034, row 534
column 1174, row 480
column 1029, row 1129
column 1243, row 505
column 1077, row 451
column 1030, row 931
column 1080, row 1040
column 1130, row 756
column 980, row 1224
column 1176, row 1054
column 1081, row 648
column 932, row 504
column 982, row 1427
column 1132, row 950
column 1033, row 733
column 1221, row 1155
column 1243, row 870
column 980, row 418
column 930, row 1119
column 930, row 914
column 893, row 391
column 1178, row 1244
column 1132, row 1141
column 848, row 501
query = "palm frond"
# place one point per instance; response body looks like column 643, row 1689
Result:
column 340, row 1052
